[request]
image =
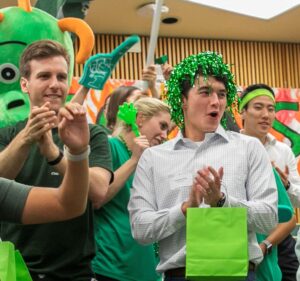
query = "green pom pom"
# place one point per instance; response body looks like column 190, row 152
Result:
column 127, row 112
column 211, row 64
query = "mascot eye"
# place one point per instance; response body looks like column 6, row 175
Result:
column 9, row 73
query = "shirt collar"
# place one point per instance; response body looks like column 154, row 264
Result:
column 180, row 140
column 271, row 140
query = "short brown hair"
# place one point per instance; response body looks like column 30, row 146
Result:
column 38, row 50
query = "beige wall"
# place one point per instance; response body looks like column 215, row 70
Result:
column 276, row 64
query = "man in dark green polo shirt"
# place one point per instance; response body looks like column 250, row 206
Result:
column 31, row 151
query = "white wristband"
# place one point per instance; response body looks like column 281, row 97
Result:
column 78, row 157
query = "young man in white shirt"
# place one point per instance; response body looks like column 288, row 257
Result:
column 257, row 108
column 197, row 164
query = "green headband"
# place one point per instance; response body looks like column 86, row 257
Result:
column 211, row 64
column 256, row 93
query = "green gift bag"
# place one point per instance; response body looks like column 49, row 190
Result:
column 12, row 265
column 216, row 244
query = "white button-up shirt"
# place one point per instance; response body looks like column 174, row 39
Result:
column 163, row 181
column 282, row 155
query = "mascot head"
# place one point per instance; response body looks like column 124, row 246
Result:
column 20, row 26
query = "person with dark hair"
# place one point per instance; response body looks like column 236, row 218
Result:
column 118, row 97
column 230, row 121
column 246, row 97
column 257, row 109
column 32, row 153
column 196, row 166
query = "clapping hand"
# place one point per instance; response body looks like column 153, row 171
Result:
column 73, row 127
column 283, row 174
column 139, row 145
column 208, row 182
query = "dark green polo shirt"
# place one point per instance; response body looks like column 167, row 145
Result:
column 13, row 197
column 62, row 250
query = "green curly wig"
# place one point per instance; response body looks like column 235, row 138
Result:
column 211, row 64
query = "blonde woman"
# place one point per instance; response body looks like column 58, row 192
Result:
column 119, row 256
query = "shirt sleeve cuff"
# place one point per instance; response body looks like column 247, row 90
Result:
column 177, row 218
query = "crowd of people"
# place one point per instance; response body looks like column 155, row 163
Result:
column 85, row 202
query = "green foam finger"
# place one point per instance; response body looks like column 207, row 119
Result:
column 98, row 68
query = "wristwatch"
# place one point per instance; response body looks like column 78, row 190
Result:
column 288, row 185
column 57, row 159
column 221, row 202
column 268, row 246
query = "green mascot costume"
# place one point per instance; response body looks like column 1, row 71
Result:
column 20, row 26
